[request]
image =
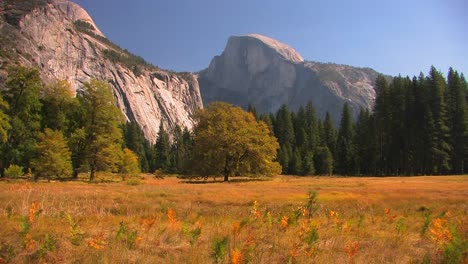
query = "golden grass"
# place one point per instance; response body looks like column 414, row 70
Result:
column 356, row 220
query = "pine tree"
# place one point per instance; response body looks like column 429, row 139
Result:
column 329, row 134
column 134, row 139
column 345, row 152
column 4, row 121
column 458, row 122
column 53, row 159
column 324, row 161
column 383, row 120
column 440, row 153
column 162, row 150
column 366, row 151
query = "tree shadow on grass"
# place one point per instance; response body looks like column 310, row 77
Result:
column 188, row 180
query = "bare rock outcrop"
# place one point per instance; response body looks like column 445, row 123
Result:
column 48, row 37
column 258, row 70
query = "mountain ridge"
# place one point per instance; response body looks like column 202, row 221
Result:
column 249, row 72
column 44, row 34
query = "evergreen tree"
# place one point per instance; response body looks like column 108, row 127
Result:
column 22, row 95
column 134, row 139
column 253, row 110
column 345, row 152
column 382, row 119
column 4, row 121
column 295, row 163
column 284, row 131
column 162, row 150
column 53, row 159
column 458, row 122
column 324, row 161
column 440, row 144
column 366, row 151
column 329, row 134
column 308, row 164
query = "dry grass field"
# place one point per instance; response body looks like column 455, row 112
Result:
column 275, row 220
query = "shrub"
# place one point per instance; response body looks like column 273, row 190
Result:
column 14, row 171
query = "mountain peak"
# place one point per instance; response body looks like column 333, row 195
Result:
column 284, row 50
column 75, row 12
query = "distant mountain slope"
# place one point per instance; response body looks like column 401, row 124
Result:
column 60, row 39
column 261, row 71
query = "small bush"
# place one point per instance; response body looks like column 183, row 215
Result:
column 14, row 171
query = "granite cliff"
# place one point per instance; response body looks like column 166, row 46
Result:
column 261, row 71
column 60, row 39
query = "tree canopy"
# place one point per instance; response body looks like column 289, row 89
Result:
column 230, row 142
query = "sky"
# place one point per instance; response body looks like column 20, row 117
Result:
column 391, row 36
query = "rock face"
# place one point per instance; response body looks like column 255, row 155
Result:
column 258, row 70
column 47, row 36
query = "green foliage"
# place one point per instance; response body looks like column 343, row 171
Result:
column 131, row 61
column 127, row 235
column 76, row 235
column 102, row 132
column 4, row 121
column 324, row 161
column 345, row 153
column 129, row 163
column 230, row 142
column 162, row 150
column 218, row 249
column 22, row 94
column 7, row 252
column 58, row 104
column 455, row 251
column 14, row 171
column 134, row 139
column 53, row 159
column 82, row 25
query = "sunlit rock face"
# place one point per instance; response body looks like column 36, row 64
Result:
column 266, row 73
column 46, row 38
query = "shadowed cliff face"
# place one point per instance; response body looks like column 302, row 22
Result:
column 258, row 70
column 46, row 36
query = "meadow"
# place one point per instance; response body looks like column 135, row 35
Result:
column 284, row 219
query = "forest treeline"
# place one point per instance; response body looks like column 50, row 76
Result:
column 419, row 126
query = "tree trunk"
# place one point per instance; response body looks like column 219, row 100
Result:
column 226, row 178
column 91, row 175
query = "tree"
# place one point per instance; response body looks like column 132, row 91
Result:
column 441, row 147
column 324, row 161
column 229, row 142
column 129, row 164
column 163, row 150
column 4, row 121
column 22, row 95
column 458, row 121
column 345, row 152
column 53, row 156
column 329, row 134
column 57, row 105
column 135, row 140
column 103, row 135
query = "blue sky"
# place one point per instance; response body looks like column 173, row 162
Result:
column 392, row 36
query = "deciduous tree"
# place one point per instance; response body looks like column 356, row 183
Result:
column 229, row 142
